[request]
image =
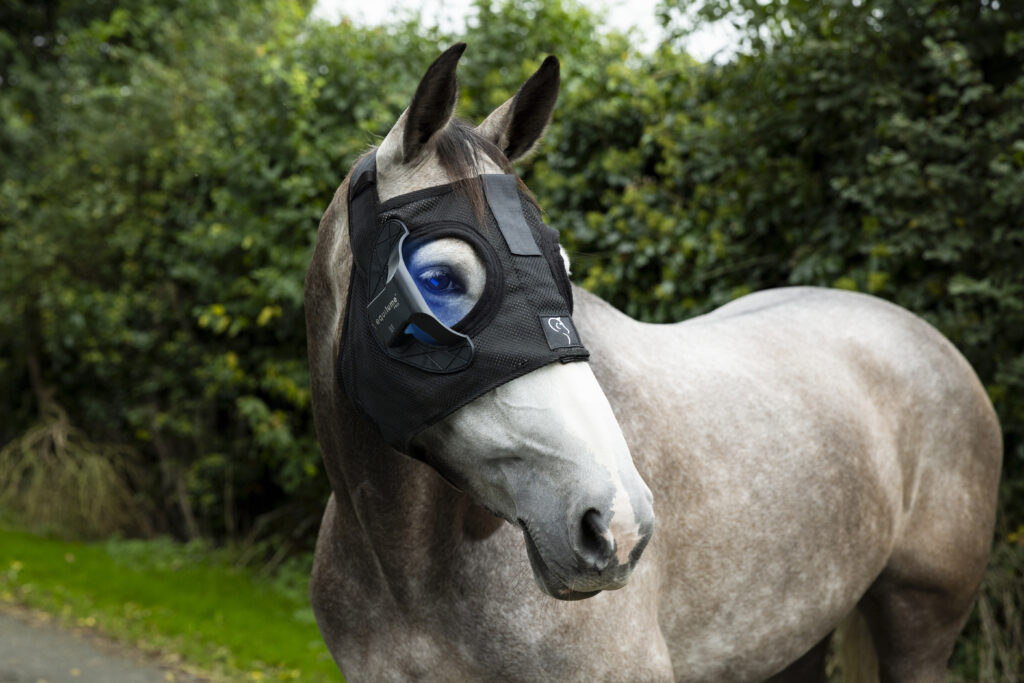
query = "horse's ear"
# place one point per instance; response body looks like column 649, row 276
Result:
column 431, row 109
column 516, row 125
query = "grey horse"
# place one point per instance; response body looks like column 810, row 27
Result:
column 814, row 458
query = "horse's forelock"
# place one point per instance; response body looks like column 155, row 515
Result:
column 458, row 147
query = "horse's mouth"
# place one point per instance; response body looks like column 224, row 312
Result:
column 548, row 581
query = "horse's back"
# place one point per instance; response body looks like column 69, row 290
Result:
column 834, row 351
column 926, row 400
column 799, row 437
column 918, row 384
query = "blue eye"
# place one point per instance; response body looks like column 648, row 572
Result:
column 437, row 281
column 443, row 293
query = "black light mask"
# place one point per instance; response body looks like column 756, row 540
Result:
column 399, row 362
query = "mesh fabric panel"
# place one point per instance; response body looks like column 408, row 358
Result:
column 402, row 400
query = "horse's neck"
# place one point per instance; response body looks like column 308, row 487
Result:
column 410, row 519
column 607, row 333
column 392, row 507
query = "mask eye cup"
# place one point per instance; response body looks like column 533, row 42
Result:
column 487, row 304
column 399, row 302
column 451, row 272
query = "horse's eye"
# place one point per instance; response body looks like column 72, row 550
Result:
column 438, row 281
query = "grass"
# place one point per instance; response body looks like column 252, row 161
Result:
column 164, row 597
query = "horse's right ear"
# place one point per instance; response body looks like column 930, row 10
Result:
column 431, row 108
column 516, row 125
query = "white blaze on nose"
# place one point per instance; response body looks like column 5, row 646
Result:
column 561, row 411
column 583, row 411
column 623, row 527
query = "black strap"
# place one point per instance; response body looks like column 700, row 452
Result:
column 362, row 209
column 363, row 175
column 503, row 197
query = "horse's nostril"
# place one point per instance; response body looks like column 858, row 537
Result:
column 596, row 545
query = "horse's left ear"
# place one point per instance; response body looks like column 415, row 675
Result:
column 516, row 125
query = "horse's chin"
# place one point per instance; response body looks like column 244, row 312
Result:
column 546, row 579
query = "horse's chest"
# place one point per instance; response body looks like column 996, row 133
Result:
column 484, row 623
column 440, row 652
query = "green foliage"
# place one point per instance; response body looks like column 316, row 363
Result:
column 154, row 241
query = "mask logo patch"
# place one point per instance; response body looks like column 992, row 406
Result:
column 559, row 331
column 558, row 326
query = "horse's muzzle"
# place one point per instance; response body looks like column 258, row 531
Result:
column 596, row 554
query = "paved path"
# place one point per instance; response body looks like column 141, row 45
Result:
column 34, row 650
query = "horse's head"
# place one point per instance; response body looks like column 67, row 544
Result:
column 458, row 343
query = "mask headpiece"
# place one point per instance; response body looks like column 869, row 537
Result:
column 399, row 362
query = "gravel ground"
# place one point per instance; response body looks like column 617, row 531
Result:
column 35, row 650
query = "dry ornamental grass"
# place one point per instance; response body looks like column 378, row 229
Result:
column 54, row 477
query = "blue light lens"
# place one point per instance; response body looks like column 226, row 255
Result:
column 438, row 282
column 419, row 334
column 441, row 289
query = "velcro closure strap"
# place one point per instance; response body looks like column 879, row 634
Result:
column 362, row 210
column 364, row 174
column 503, row 197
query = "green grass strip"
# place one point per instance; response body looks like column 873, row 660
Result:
column 166, row 597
